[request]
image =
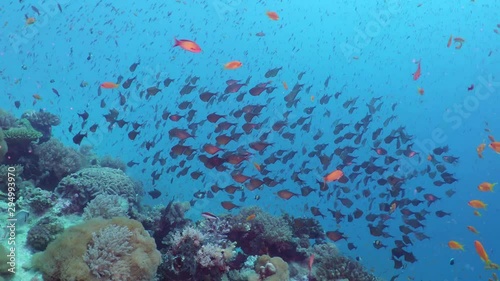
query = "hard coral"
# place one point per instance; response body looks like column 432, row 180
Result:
column 272, row 269
column 330, row 265
column 22, row 134
column 42, row 121
column 56, row 161
column 88, row 253
column 86, row 184
column 44, row 232
column 111, row 162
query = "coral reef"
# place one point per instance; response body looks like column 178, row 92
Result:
column 3, row 146
column 329, row 264
column 4, row 172
column 42, row 121
column 56, row 161
column 23, row 134
column 36, row 199
column 7, row 120
column 86, row 184
column 111, row 162
column 106, row 206
column 271, row 269
column 43, row 232
column 85, row 259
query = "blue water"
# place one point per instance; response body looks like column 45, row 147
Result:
column 369, row 48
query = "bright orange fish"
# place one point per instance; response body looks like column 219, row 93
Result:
column 285, row 85
column 187, row 45
column 333, row 176
column 454, row 245
column 250, row 217
column 233, row 65
column 429, row 157
column 37, row 97
column 486, row 186
column 417, row 73
column 480, row 149
column 472, row 229
column 109, row 85
column 449, row 41
column 272, row 15
column 477, row 204
column 481, row 252
column 495, row 146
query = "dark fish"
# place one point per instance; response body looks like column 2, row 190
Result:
column 93, row 128
column 17, row 104
column 272, row 73
column 84, row 115
column 121, row 123
column 132, row 135
column 155, row 193
column 59, row 7
column 136, row 125
column 77, row 139
column 335, row 235
column 132, row 163
column 55, row 92
column 103, row 103
column 167, row 82
column 470, row 88
column 134, row 66
column 351, row 246
column 70, row 129
column 128, row 82
column 199, row 194
column 316, row 212
column 452, row 261
column 35, row 10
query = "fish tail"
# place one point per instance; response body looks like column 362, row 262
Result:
column 177, row 42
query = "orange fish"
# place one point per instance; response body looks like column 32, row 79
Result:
column 481, row 252
column 285, row 85
column 480, row 149
column 472, row 229
column 30, row 20
column 486, row 186
column 429, row 157
column 37, row 97
column 417, row 73
column 477, row 213
column 454, row 245
column 449, row 41
column 233, row 65
column 333, row 176
column 109, row 85
column 421, row 91
column 187, row 45
column 495, row 146
column 272, row 15
column 477, row 204
column 257, row 166
column 250, row 217
column 286, row 194
column 228, row 205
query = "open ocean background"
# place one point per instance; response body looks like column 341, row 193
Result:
column 318, row 37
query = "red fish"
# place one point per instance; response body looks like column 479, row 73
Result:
column 272, row 15
column 311, row 261
column 417, row 73
column 187, row 45
column 109, row 85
